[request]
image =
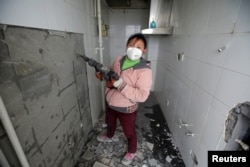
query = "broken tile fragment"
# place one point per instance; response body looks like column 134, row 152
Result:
column 99, row 149
column 152, row 162
column 168, row 159
column 88, row 155
column 150, row 145
column 98, row 164
column 140, row 154
column 109, row 147
column 106, row 161
column 114, row 161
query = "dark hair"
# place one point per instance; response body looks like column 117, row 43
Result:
column 138, row 36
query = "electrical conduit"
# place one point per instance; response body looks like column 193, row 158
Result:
column 12, row 135
column 100, row 46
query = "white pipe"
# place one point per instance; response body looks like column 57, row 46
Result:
column 3, row 160
column 100, row 47
column 12, row 134
column 100, row 29
column 95, row 11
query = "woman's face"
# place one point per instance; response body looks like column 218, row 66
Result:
column 137, row 43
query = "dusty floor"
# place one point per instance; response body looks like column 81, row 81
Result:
column 155, row 145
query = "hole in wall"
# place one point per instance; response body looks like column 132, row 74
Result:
column 237, row 128
column 193, row 157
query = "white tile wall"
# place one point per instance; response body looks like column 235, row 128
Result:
column 201, row 9
column 123, row 23
column 232, row 88
column 177, row 44
column 166, row 75
column 183, row 102
column 243, row 22
column 131, row 29
column 214, row 126
column 170, row 94
column 205, row 48
column 189, row 68
column 207, row 77
column 198, row 110
column 164, row 43
column 136, row 17
column 158, row 83
column 221, row 144
column 182, row 11
column 208, row 83
column 117, row 31
column 55, row 15
column 153, row 48
column 238, row 54
column 201, row 154
column 153, row 68
column 188, row 144
column 178, row 135
column 17, row 13
column 222, row 16
column 64, row 17
column 117, row 17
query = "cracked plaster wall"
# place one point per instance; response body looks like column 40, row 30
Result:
column 44, row 88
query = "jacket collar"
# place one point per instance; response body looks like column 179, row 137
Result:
column 142, row 64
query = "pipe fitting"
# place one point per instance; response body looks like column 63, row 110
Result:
column 181, row 124
column 221, row 49
column 189, row 134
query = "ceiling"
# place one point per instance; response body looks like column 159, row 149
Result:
column 131, row 4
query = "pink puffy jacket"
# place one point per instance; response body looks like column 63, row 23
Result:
column 136, row 86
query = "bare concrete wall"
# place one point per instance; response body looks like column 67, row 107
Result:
column 44, row 87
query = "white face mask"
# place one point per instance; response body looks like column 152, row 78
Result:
column 134, row 53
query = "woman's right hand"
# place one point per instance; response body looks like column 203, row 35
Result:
column 99, row 76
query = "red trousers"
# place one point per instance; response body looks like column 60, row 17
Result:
column 127, row 121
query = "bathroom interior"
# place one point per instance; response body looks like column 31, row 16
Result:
column 51, row 101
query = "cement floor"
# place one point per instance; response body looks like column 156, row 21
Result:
column 155, row 145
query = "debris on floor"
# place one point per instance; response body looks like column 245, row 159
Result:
column 155, row 147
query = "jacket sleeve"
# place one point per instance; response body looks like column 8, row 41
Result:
column 141, row 90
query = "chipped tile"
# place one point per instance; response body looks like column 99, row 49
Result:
column 150, row 145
